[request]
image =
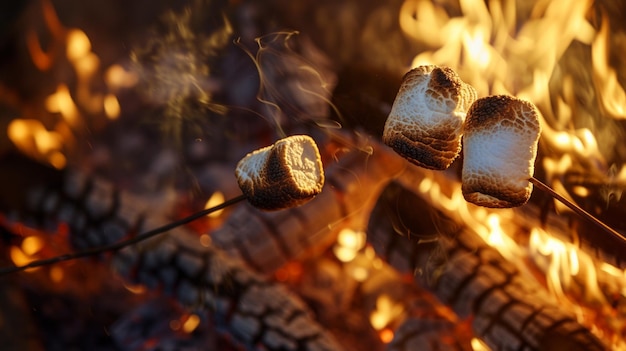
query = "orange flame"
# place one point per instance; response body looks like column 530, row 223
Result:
column 79, row 106
column 609, row 91
column 501, row 48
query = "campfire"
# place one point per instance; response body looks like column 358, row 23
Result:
column 127, row 128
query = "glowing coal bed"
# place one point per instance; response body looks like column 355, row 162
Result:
column 121, row 117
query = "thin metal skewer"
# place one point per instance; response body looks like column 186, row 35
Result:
column 579, row 210
column 121, row 244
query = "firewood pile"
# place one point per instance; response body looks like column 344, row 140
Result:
column 388, row 256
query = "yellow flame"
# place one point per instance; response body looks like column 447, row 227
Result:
column 20, row 258
column 111, row 106
column 609, row 91
column 478, row 345
column 349, row 243
column 31, row 137
column 215, row 199
column 516, row 48
column 87, row 65
column 192, row 322
column 116, row 77
column 359, row 273
column 31, row 245
column 78, row 45
column 19, row 131
column 386, row 311
column 562, row 262
column 61, row 102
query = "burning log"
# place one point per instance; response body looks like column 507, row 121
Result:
column 268, row 240
column 259, row 314
column 508, row 311
column 96, row 212
column 427, row 334
column 605, row 248
column 256, row 312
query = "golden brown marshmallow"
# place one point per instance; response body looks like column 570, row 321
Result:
column 499, row 150
column 285, row 174
column 426, row 120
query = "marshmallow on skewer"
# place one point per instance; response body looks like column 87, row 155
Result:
column 286, row 174
column 499, row 151
column 426, row 120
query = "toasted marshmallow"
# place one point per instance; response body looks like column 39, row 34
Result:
column 499, row 151
column 426, row 120
column 286, row 174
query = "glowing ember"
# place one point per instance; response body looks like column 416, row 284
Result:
column 56, row 274
column 386, row 335
column 31, row 245
column 205, row 240
column 191, row 323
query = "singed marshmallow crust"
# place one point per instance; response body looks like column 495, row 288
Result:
column 285, row 174
column 499, row 151
column 426, row 120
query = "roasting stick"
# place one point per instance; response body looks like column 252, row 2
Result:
column 496, row 172
column 124, row 243
column 283, row 175
column 577, row 209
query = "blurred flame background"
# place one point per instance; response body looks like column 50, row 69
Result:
column 69, row 80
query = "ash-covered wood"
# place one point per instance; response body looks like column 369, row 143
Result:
column 259, row 314
column 95, row 210
column 509, row 311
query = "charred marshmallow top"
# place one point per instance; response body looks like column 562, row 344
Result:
column 500, row 147
column 426, row 120
column 286, row 174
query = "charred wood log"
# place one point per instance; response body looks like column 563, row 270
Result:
column 268, row 240
column 508, row 310
column 589, row 239
column 260, row 314
column 427, row 334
